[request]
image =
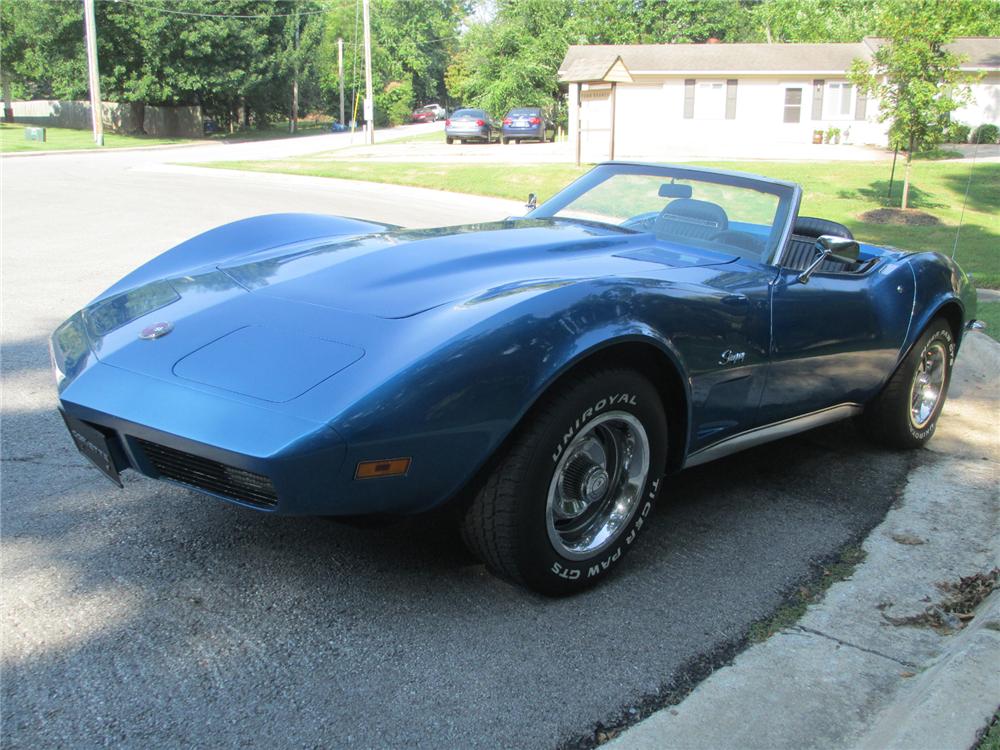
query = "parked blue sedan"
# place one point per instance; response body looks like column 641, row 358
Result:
column 539, row 374
column 524, row 123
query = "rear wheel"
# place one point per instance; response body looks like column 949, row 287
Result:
column 905, row 413
column 575, row 486
column 449, row 140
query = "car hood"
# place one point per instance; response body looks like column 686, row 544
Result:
column 399, row 273
column 273, row 324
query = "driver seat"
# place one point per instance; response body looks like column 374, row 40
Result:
column 687, row 218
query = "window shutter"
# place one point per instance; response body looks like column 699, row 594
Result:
column 818, row 99
column 860, row 106
column 731, row 99
column 689, row 99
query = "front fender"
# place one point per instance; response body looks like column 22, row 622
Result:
column 451, row 407
column 240, row 238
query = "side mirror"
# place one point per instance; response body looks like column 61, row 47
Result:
column 828, row 246
column 840, row 248
column 532, row 201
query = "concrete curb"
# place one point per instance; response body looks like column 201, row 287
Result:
column 126, row 149
column 988, row 295
column 853, row 673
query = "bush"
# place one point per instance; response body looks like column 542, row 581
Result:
column 957, row 132
column 986, row 133
column 394, row 105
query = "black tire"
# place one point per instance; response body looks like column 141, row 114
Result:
column 449, row 140
column 504, row 141
column 507, row 524
column 889, row 419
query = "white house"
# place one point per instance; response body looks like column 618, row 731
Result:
column 638, row 99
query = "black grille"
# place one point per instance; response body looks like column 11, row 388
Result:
column 205, row 474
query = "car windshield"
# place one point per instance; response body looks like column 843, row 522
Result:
column 524, row 112
column 723, row 211
column 469, row 113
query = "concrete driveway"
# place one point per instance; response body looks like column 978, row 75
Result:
column 155, row 617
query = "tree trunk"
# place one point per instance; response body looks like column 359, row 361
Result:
column 137, row 114
column 906, row 175
column 8, row 108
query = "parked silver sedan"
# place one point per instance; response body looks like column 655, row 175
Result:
column 470, row 125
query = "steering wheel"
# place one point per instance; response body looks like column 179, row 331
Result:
column 742, row 240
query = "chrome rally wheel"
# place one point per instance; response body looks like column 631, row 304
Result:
column 597, row 484
column 928, row 384
column 575, row 485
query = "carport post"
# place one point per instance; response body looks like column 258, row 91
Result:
column 579, row 121
column 612, row 149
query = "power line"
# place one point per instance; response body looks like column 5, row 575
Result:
column 161, row 9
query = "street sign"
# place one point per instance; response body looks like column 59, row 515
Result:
column 369, row 110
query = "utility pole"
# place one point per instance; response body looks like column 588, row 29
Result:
column 293, row 122
column 340, row 75
column 95, row 78
column 369, row 99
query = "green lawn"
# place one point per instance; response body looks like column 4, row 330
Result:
column 840, row 191
column 989, row 313
column 58, row 139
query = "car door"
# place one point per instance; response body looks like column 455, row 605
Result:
column 834, row 339
column 727, row 348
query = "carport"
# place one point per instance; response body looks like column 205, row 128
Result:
column 594, row 81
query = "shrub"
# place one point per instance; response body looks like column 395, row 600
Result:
column 957, row 132
column 986, row 133
column 394, row 104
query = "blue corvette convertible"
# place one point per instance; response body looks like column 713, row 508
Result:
column 541, row 374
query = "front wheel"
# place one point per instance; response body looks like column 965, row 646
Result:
column 449, row 140
column 576, row 484
column 905, row 413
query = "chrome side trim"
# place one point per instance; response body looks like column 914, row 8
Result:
column 776, row 431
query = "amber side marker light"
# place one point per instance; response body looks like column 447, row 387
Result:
column 390, row 467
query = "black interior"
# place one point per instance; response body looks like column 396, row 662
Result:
column 801, row 250
column 687, row 218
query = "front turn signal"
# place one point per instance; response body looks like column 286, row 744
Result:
column 389, row 467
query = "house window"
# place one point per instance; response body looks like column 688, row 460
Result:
column 793, row 104
column 710, row 100
column 839, row 96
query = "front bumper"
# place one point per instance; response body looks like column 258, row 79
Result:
column 256, row 457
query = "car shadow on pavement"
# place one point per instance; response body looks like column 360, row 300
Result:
column 153, row 615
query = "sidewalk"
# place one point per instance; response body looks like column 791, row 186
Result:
column 853, row 672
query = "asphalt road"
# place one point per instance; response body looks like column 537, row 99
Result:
column 152, row 616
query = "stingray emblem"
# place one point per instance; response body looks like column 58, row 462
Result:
column 730, row 357
column 156, row 330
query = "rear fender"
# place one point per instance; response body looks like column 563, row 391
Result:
column 940, row 283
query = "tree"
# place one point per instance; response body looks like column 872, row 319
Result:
column 915, row 79
column 412, row 43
